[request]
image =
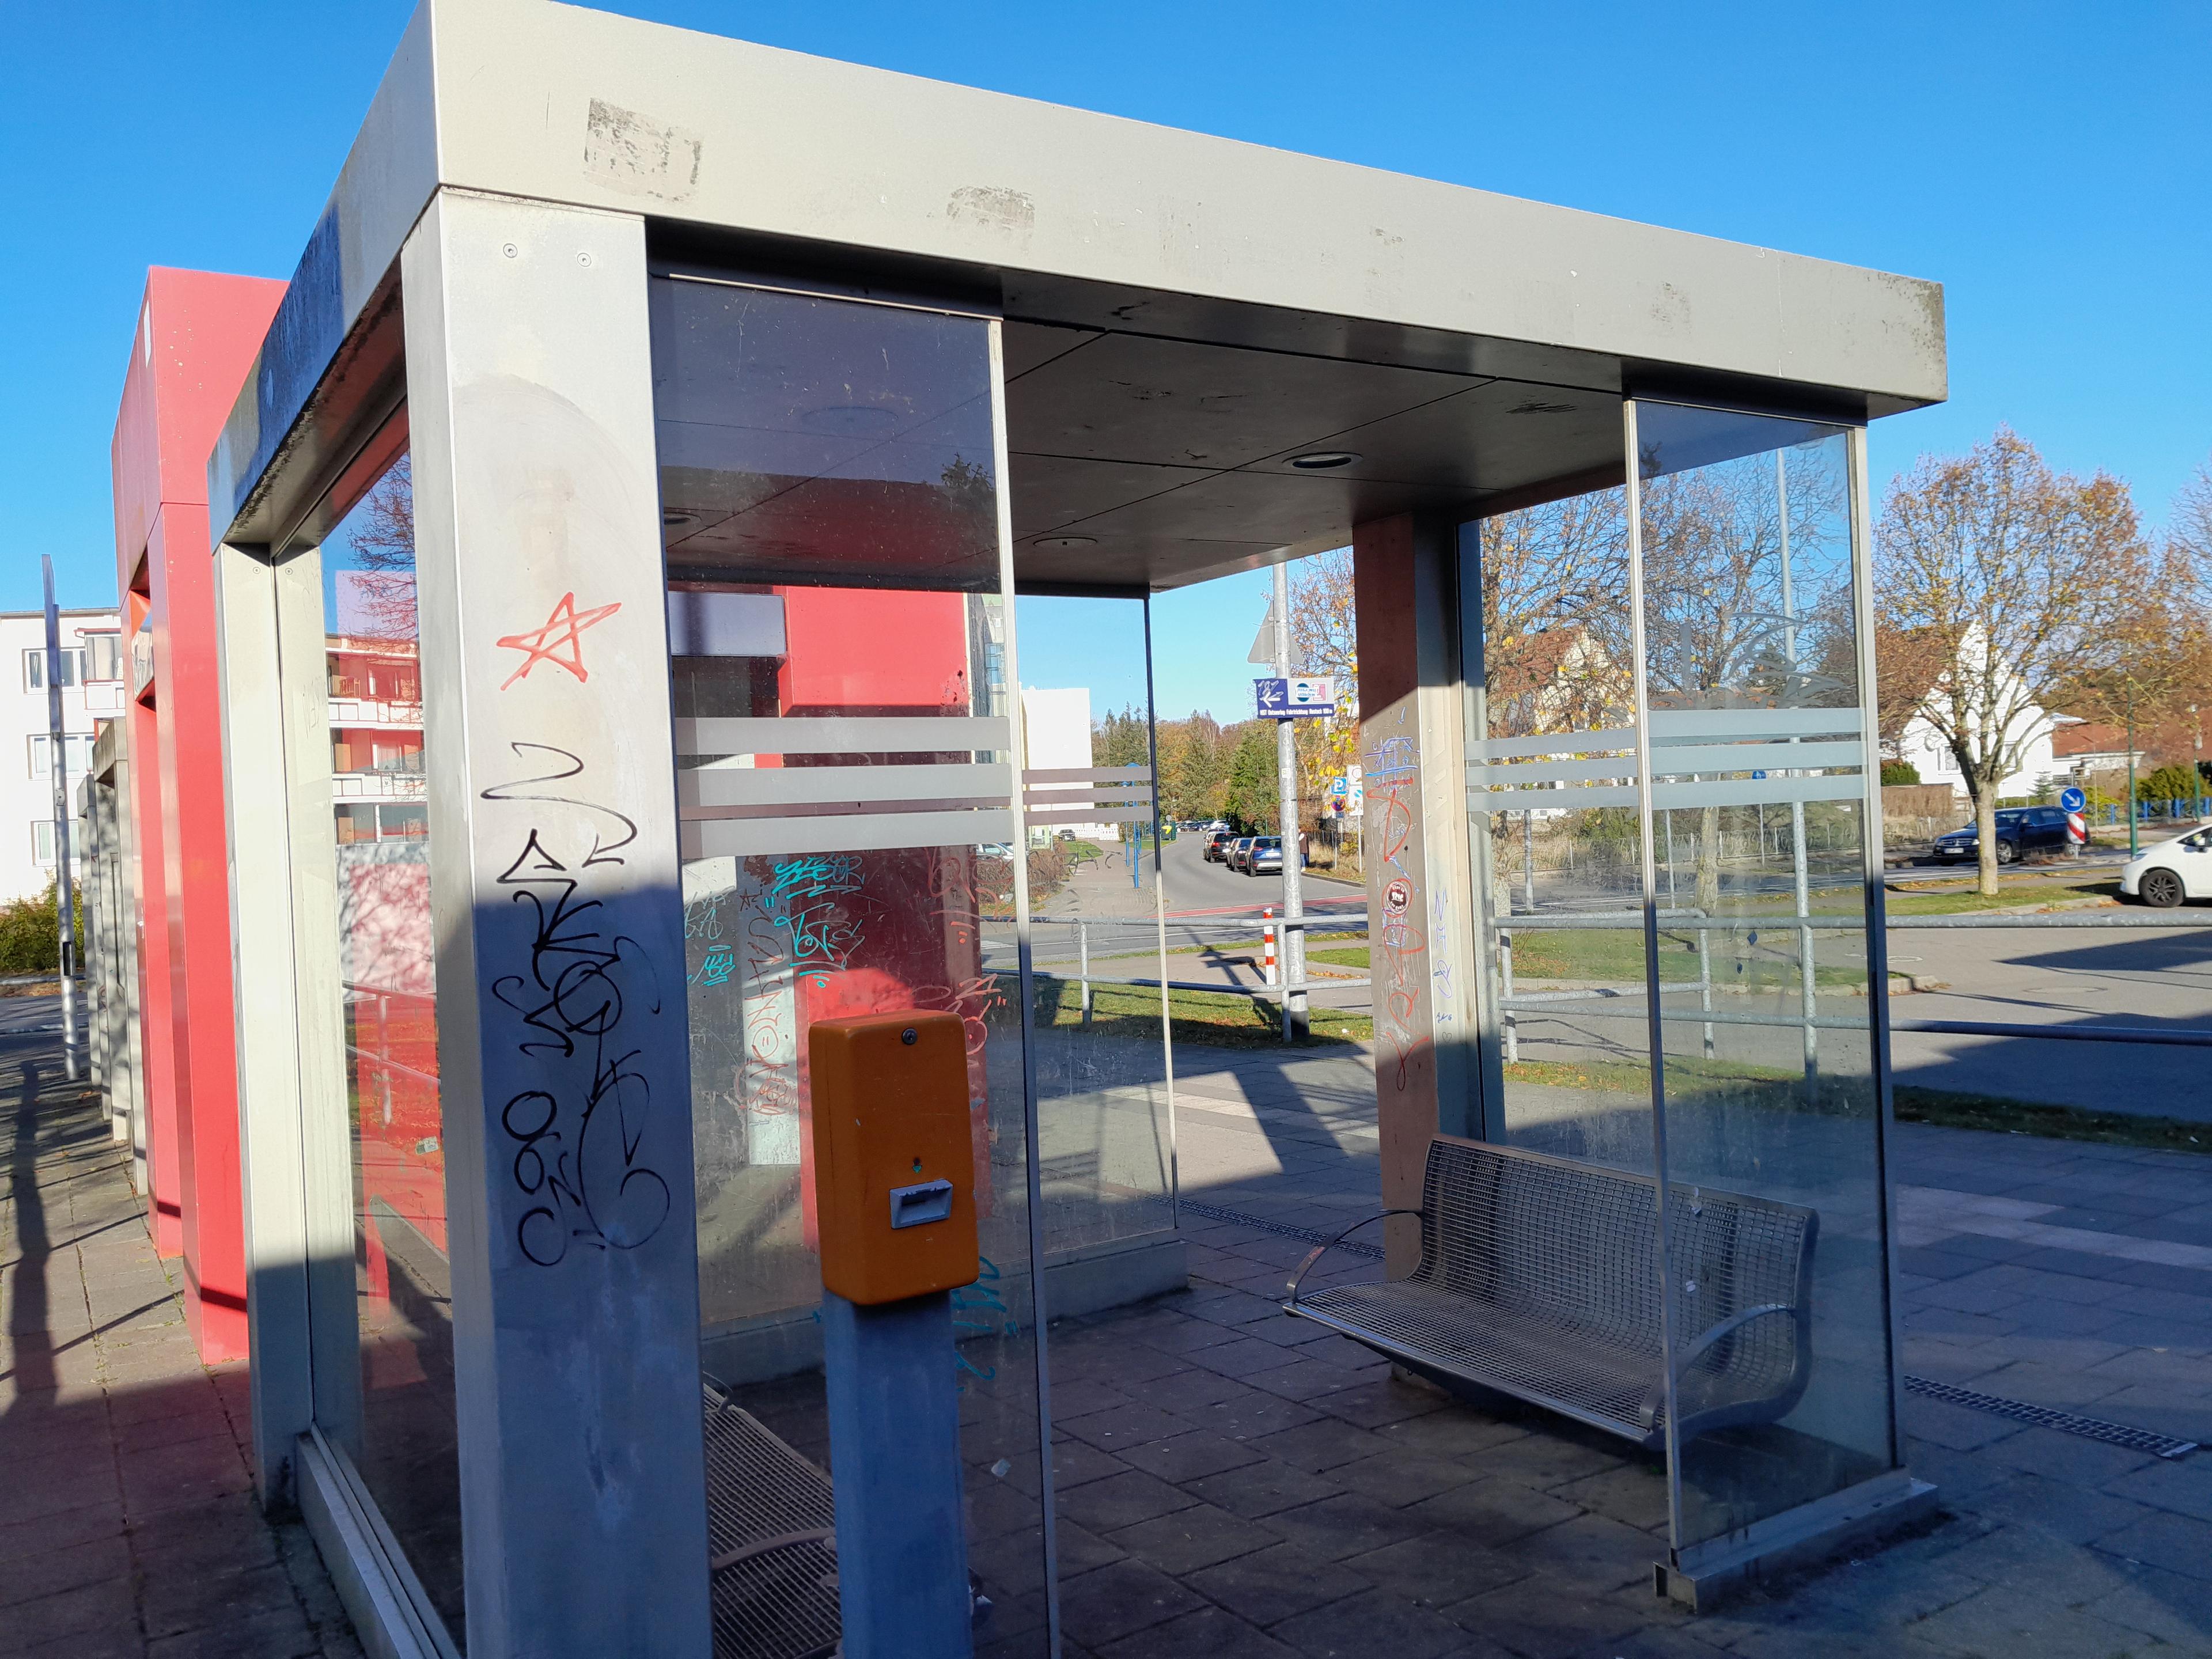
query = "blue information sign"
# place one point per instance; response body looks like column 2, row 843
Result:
column 1299, row 697
column 2073, row 800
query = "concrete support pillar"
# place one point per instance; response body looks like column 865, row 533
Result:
column 131, row 1063
column 162, row 1189
column 294, row 1165
column 1420, row 915
column 562, row 1044
column 195, row 902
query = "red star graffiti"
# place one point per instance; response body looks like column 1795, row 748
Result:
column 560, row 641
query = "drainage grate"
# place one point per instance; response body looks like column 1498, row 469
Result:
column 1281, row 1229
column 2089, row 1428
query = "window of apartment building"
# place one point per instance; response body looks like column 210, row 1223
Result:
column 76, row 753
column 42, row 841
column 34, row 668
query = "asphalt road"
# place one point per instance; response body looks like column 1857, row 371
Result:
column 2072, row 979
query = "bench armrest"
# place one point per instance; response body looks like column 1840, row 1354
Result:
column 1322, row 1250
column 824, row 1535
column 1729, row 1325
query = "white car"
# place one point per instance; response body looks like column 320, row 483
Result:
column 2172, row 871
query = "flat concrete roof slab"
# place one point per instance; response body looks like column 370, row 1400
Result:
column 1468, row 344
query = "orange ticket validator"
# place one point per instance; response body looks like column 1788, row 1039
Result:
column 894, row 1160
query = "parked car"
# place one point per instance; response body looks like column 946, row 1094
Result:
column 1217, row 846
column 1266, row 857
column 1240, row 852
column 2171, row 872
column 2020, row 830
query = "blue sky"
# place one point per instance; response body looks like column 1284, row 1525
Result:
column 2050, row 164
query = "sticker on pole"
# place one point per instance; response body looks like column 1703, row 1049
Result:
column 2072, row 799
column 1298, row 697
column 1396, row 897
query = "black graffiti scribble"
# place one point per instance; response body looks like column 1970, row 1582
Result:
column 577, row 1163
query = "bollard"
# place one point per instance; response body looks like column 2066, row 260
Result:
column 1268, row 934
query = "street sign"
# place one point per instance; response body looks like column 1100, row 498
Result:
column 1299, row 697
column 1339, row 786
column 2077, row 827
column 2072, row 799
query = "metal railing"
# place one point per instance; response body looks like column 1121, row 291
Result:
column 1673, row 920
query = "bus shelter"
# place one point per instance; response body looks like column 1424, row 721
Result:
column 616, row 543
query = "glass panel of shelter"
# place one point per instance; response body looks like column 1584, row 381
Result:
column 1739, row 539
column 1105, row 1124
column 1554, row 799
column 841, row 666
column 1778, row 1298
column 398, row 1430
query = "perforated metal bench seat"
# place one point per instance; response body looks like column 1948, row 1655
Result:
column 772, row 1528
column 1539, row 1278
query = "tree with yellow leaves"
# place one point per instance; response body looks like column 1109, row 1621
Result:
column 2020, row 589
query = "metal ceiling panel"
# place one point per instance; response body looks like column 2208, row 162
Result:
column 1172, row 403
column 1052, row 490
column 1505, row 434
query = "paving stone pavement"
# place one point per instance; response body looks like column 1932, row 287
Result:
column 1236, row 1482
column 1233, row 1482
column 127, row 1524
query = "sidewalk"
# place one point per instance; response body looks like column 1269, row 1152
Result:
column 1235, row 1483
column 127, row 1524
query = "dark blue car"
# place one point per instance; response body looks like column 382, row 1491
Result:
column 2020, row 830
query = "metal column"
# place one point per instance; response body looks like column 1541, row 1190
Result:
column 555, row 891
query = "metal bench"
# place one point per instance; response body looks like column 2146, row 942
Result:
column 772, row 1527
column 1539, row 1278
column 772, row 1535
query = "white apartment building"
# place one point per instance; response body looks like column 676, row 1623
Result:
column 1056, row 732
column 27, row 787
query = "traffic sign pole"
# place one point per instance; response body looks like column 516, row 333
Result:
column 1286, row 820
column 2071, row 802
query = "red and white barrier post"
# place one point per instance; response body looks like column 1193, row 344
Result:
column 1268, row 934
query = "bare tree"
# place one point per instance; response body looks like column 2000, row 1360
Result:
column 381, row 532
column 2021, row 585
column 1747, row 597
column 2189, row 531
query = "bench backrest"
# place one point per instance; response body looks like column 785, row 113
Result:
column 1575, row 1244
